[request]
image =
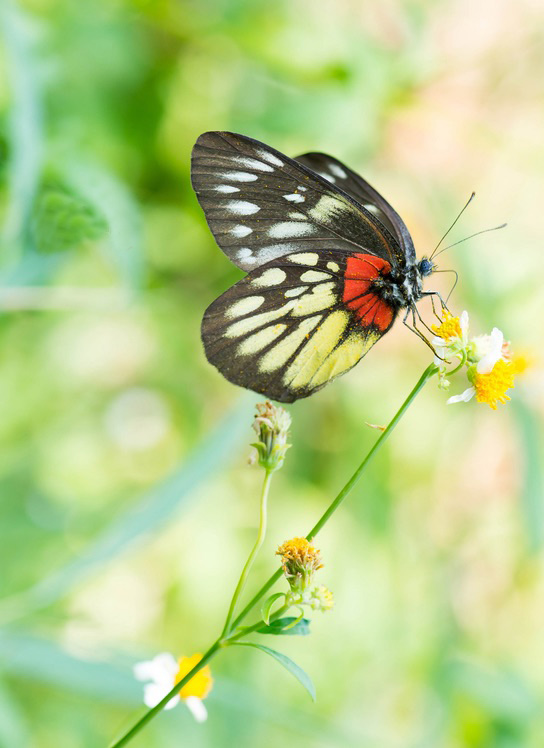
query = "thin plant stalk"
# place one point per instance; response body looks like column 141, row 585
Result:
column 253, row 555
column 229, row 633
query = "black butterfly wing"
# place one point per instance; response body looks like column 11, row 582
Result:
column 261, row 205
column 363, row 193
column 294, row 324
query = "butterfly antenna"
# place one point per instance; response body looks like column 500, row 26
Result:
column 453, row 224
column 485, row 231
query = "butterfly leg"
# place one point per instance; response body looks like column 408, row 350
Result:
column 432, row 294
column 413, row 327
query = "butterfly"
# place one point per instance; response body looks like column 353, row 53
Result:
column 329, row 265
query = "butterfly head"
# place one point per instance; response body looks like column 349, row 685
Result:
column 425, row 267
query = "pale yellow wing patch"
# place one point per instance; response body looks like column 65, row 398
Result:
column 343, row 358
column 282, row 352
column 311, row 357
column 322, row 297
column 258, row 341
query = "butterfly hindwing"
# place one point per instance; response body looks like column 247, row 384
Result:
column 292, row 325
column 261, row 205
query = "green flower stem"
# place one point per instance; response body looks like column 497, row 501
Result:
column 427, row 374
column 212, row 651
column 229, row 634
column 245, row 630
column 249, row 563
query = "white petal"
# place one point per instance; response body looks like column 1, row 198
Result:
column 197, row 708
column 161, row 669
column 463, row 324
column 154, row 693
column 464, row 397
column 493, row 353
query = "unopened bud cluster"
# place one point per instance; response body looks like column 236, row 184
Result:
column 271, row 424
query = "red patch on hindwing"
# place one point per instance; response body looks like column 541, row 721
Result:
column 358, row 296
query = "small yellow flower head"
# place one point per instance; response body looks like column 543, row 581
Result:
column 299, row 560
column 200, row 684
column 488, row 360
column 491, row 387
column 272, row 424
column 449, row 328
column 164, row 671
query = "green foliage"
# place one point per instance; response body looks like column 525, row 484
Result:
column 62, row 219
column 288, row 626
column 292, row 667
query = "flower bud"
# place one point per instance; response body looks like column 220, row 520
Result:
column 271, row 424
column 300, row 559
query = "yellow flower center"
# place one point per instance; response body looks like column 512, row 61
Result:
column 299, row 553
column 200, row 684
column 491, row 387
column 450, row 327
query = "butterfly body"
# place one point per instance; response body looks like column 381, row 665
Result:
column 330, row 264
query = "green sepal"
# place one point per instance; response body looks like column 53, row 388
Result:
column 295, row 670
column 289, row 626
column 267, row 605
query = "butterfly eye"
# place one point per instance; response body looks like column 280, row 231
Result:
column 425, row 267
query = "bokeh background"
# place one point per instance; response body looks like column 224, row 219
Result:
column 127, row 505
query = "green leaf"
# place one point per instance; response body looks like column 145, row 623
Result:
column 62, row 219
column 289, row 626
column 295, row 670
column 267, row 605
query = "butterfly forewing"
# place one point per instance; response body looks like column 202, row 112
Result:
column 363, row 193
column 261, row 205
column 292, row 325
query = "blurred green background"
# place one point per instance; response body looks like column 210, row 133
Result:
column 127, row 505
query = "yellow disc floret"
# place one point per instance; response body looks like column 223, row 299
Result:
column 449, row 328
column 299, row 555
column 491, row 387
column 200, row 684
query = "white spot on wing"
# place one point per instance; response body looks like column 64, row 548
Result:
column 243, row 326
column 270, row 277
column 242, row 207
column 244, row 306
column 295, row 291
column 245, row 254
column 326, row 176
column 241, row 231
column 338, row 171
column 252, row 163
column 270, row 158
column 298, row 216
column 333, row 266
column 239, row 176
column 288, row 229
column 300, row 187
column 304, row 258
column 312, row 276
column 226, row 188
column 294, row 198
